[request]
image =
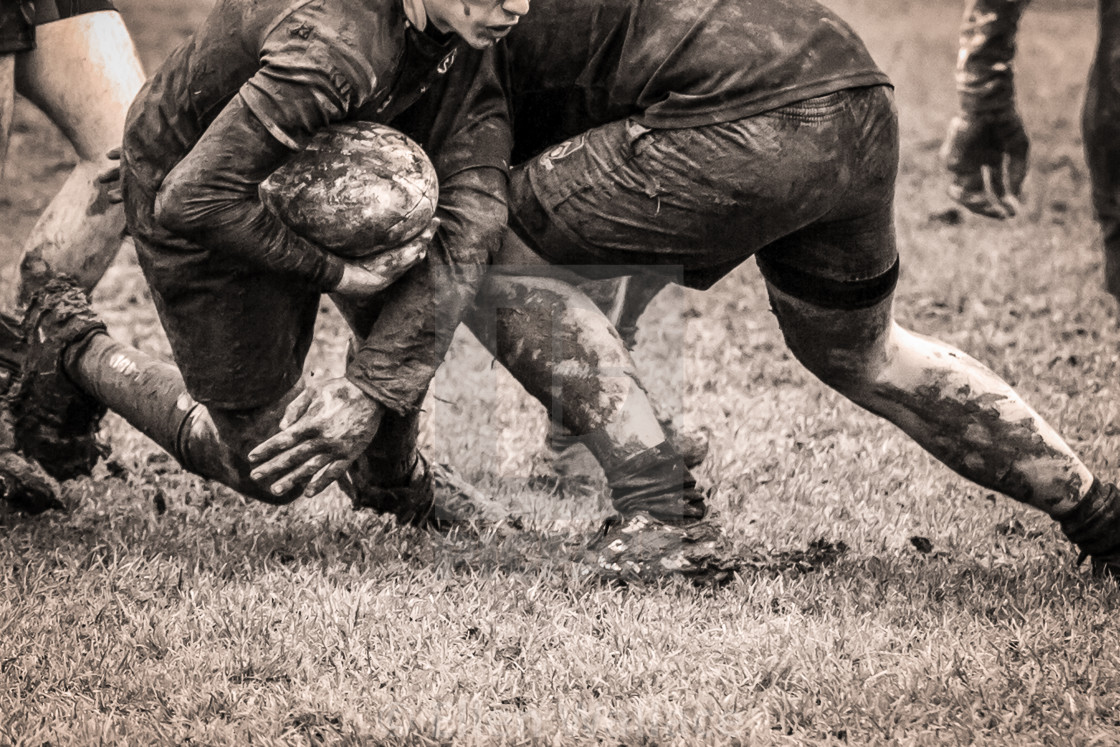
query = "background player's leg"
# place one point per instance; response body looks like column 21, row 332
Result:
column 565, row 352
column 83, row 74
column 624, row 300
column 957, row 409
column 7, row 104
column 1101, row 129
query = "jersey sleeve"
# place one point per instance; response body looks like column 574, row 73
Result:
column 308, row 78
column 464, row 126
column 985, row 72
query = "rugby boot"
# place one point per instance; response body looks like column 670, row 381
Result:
column 1094, row 527
column 24, row 486
column 640, row 549
column 434, row 496
column 56, row 423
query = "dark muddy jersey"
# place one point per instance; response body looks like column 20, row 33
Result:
column 577, row 64
column 297, row 67
column 254, row 83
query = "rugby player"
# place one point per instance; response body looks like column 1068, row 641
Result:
column 987, row 138
column 237, row 291
column 685, row 137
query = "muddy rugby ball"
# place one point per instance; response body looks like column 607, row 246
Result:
column 358, row 188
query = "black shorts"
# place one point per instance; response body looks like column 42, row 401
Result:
column 807, row 188
column 18, row 19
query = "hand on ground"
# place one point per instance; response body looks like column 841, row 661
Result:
column 323, row 431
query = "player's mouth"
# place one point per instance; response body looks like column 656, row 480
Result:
column 500, row 31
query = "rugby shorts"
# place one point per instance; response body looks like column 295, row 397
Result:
column 18, row 19
column 807, row 189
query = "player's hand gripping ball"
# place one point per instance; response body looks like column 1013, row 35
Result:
column 359, row 188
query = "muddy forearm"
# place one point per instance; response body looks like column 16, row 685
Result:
column 985, row 77
column 420, row 312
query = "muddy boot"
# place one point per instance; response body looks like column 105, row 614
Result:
column 641, row 549
column 24, row 486
column 56, row 424
column 434, row 496
column 1094, row 526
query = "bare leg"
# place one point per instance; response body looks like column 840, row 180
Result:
column 83, row 74
column 566, row 353
column 954, row 407
column 7, row 104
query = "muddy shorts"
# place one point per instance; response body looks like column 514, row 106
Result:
column 807, row 188
column 17, row 26
column 18, row 19
column 239, row 335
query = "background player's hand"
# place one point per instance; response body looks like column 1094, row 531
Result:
column 987, row 155
column 367, row 277
column 111, row 177
column 322, row 432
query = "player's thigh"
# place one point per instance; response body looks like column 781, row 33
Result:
column 842, row 346
column 84, row 74
column 831, row 281
column 239, row 336
column 242, row 430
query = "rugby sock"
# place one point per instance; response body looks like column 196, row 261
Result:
column 653, row 480
column 146, row 392
column 1094, row 523
column 151, row 396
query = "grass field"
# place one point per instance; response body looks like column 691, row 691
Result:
column 165, row 610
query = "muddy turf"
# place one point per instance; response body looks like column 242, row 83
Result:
column 885, row 601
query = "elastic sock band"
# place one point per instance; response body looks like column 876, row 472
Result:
column 846, row 295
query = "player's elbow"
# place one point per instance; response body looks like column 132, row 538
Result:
column 489, row 238
column 172, row 210
column 186, row 207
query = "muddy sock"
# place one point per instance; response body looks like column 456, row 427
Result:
column 1094, row 523
column 146, row 392
column 657, row 482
